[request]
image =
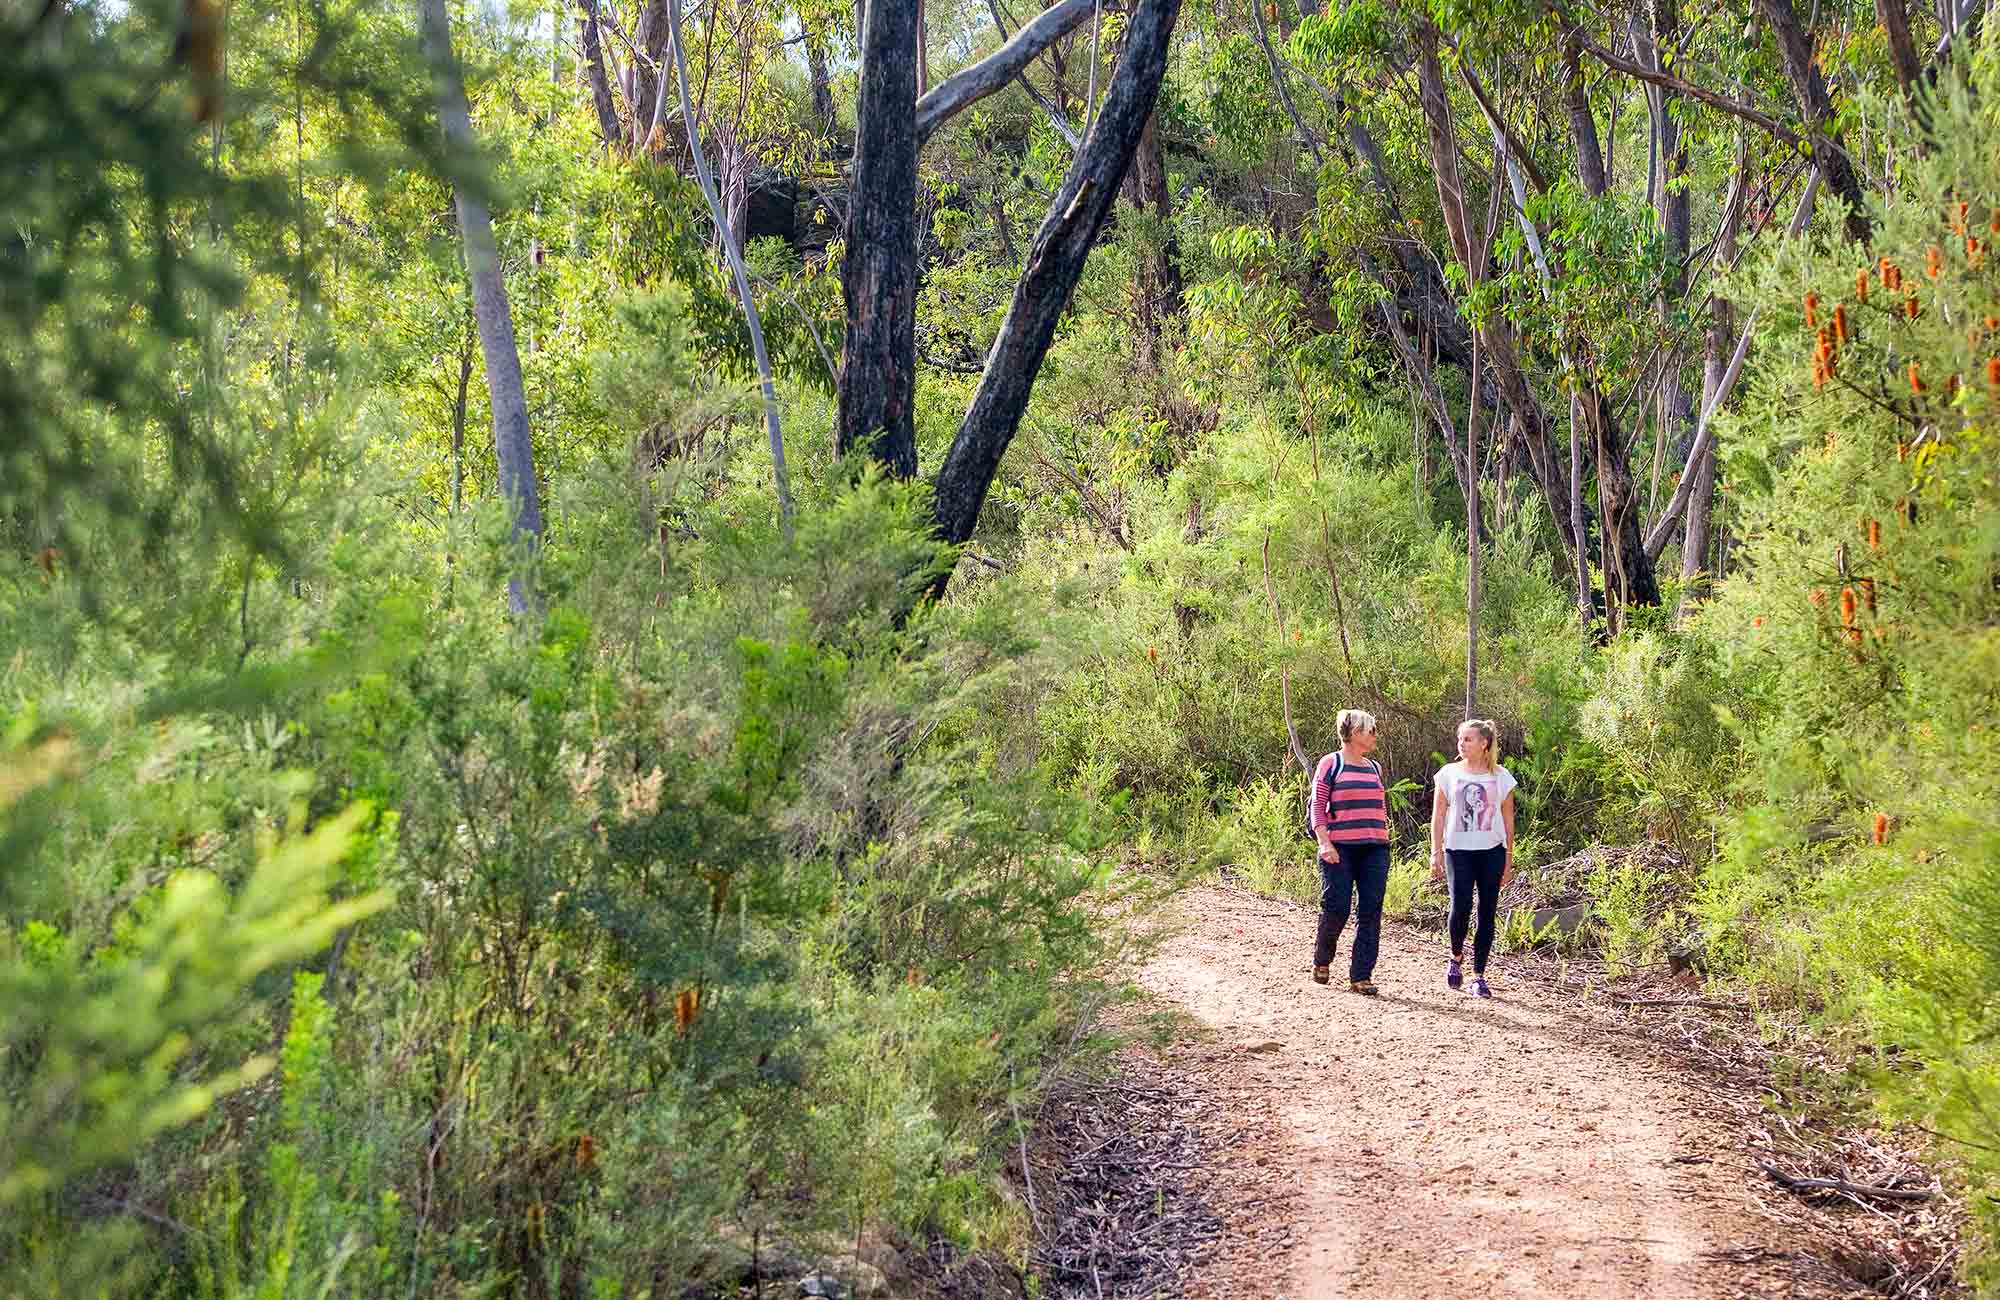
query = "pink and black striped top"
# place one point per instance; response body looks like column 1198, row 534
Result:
column 1354, row 809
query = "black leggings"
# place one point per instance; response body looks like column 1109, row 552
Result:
column 1470, row 869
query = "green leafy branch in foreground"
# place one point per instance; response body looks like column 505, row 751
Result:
column 103, row 1050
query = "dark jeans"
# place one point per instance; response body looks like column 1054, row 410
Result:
column 1473, row 870
column 1362, row 869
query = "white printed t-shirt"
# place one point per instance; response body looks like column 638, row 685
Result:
column 1472, row 806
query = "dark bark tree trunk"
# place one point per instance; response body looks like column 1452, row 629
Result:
column 1055, row 261
column 1816, row 108
column 1629, row 578
column 1895, row 19
column 879, row 271
column 1157, row 286
column 593, row 66
column 512, row 446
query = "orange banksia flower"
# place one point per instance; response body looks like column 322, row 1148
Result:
column 1910, row 308
column 586, row 1151
column 1873, row 532
column 1840, row 323
column 1902, row 452
column 687, row 1004
column 1823, row 346
column 1916, row 380
column 1951, row 389
column 1847, row 607
column 1812, row 310
column 1757, row 621
column 1152, row 655
column 1819, row 373
column 1881, row 828
column 1993, row 371
column 1861, row 285
column 1958, row 216
column 1933, row 261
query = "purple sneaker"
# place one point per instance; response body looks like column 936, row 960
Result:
column 1479, row 987
column 1453, row 975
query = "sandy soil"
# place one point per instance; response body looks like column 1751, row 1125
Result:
column 1427, row 1143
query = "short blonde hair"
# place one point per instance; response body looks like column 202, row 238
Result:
column 1353, row 721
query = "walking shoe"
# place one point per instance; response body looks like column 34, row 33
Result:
column 1366, row 988
column 1479, row 987
column 1453, row 976
column 1322, row 974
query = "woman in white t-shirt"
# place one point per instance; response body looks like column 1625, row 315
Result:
column 1472, row 829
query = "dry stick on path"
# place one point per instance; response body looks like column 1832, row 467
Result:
column 1792, row 1183
column 736, row 269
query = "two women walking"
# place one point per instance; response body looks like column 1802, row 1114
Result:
column 1472, row 846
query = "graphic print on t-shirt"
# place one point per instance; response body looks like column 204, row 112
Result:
column 1477, row 804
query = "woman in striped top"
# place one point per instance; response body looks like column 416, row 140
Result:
column 1350, row 819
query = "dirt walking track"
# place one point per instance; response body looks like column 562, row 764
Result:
column 1429, row 1144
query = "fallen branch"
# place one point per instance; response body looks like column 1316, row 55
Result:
column 1704, row 1004
column 1792, row 1183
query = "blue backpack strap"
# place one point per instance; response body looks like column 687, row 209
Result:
column 1333, row 779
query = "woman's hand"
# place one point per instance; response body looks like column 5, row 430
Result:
column 1507, row 872
column 1437, row 865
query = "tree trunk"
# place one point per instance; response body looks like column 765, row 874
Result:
column 1716, row 350
column 600, row 87
column 1816, row 108
column 732, row 250
column 1895, row 18
column 824, row 114
column 1495, row 338
column 1472, row 526
column 1629, row 576
column 1676, row 421
column 1055, row 261
column 879, row 271
column 512, row 446
column 970, row 85
column 1157, row 285
column 1582, row 126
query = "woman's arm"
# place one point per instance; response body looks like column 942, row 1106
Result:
column 1439, row 811
column 1507, row 816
